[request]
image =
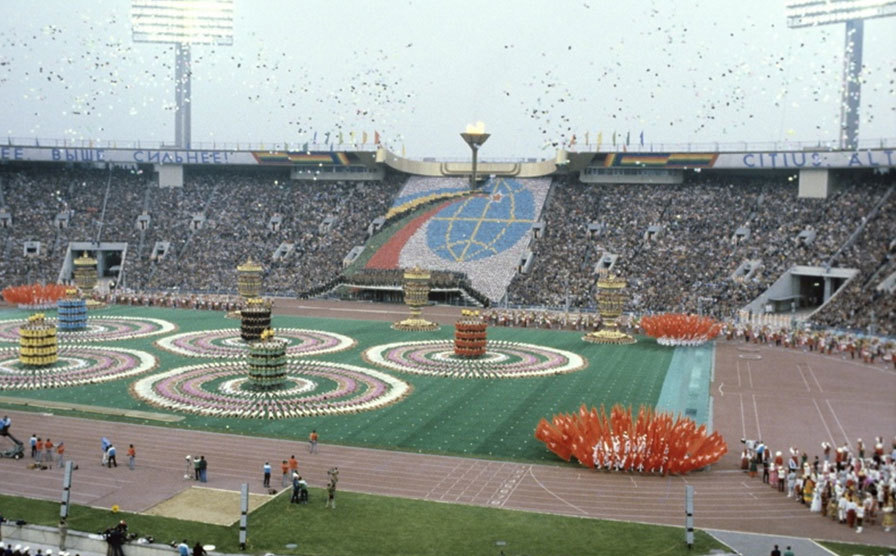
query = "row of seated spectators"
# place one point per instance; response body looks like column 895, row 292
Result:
column 394, row 278
column 35, row 195
column 874, row 253
column 237, row 206
column 690, row 263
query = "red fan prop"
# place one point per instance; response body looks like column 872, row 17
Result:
column 34, row 294
column 674, row 329
column 651, row 443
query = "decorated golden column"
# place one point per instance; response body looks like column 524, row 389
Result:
column 610, row 300
column 416, row 296
column 37, row 342
column 248, row 280
column 85, row 272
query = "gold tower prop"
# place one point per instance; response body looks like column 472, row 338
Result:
column 37, row 342
column 610, row 300
column 85, row 272
column 248, row 280
column 416, row 296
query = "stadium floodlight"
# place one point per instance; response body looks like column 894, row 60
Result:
column 182, row 23
column 853, row 13
column 823, row 12
column 475, row 136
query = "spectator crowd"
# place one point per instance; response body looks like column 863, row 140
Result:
column 712, row 244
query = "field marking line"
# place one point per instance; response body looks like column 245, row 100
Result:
column 750, row 374
column 802, row 376
column 721, row 394
column 823, row 422
column 435, row 486
column 815, row 378
column 515, row 486
column 737, row 366
column 549, row 491
column 743, row 417
column 500, row 468
column 828, row 550
column 756, row 413
column 839, row 424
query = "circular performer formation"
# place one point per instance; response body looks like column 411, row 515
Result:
column 227, row 343
column 501, row 360
column 309, row 388
column 75, row 366
column 98, row 329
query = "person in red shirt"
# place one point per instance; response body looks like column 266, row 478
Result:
column 312, row 441
column 284, row 468
column 132, row 456
column 60, row 454
column 293, row 464
column 48, row 454
column 39, row 449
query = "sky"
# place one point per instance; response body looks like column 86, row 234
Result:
column 536, row 73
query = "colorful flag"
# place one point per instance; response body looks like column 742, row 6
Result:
column 327, row 137
column 364, row 138
column 614, row 138
column 340, row 138
column 586, row 138
column 376, row 137
column 600, row 139
column 351, row 135
column 628, row 137
column 642, row 137
column 314, row 139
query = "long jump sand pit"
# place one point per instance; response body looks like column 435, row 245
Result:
column 207, row 505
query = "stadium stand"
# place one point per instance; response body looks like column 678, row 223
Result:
column 679, row 246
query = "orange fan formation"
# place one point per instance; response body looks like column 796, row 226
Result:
column 34, row 294
column 651, row 443
column 677, row 329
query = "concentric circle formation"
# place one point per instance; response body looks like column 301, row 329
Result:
column 76, row 365
column 502, row 359
column 222, row 389
column 226, row 343
column 99, row 329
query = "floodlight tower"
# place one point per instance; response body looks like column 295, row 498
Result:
column 853, row 13
column 182, row 23
column 475, row 136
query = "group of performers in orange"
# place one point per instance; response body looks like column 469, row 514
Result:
column 653, row 442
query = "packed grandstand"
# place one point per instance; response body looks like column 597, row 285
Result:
column 713, row 244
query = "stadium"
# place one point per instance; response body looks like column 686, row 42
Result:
column 229, row 300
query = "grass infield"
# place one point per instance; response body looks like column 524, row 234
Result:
column 489, row 418
column 371, row 525
column 850, row 549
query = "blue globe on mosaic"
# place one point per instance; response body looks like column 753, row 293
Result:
column 483, row 225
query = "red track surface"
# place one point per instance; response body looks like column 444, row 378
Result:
column 785, row 397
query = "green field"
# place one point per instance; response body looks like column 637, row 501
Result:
column 492, row 418
column 366, row 525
